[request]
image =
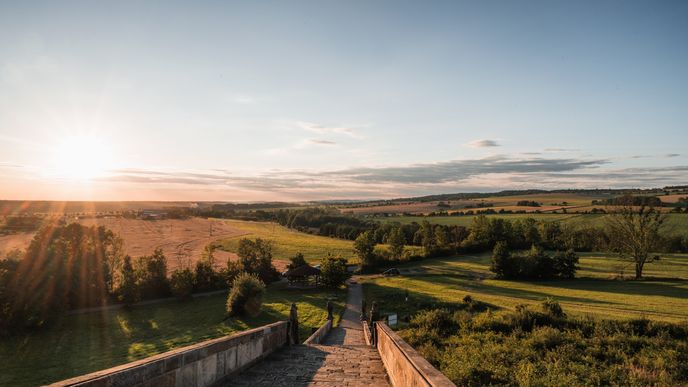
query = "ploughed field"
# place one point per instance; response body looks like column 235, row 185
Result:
column 597, row 290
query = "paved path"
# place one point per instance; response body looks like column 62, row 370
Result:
column 342, row 359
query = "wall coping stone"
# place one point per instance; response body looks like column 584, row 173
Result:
column 430, row 374
column 165, row 362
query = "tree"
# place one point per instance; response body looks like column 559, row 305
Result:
column 364, row 247
column 396, row 240
column 427, row 233
column 182, row 283
column 566, row 264
column 333, row 271
column 152, row 275
column 127, row 289
column 205, row 278
column 501, row 260
column 256, row 257
column 634, row 234
column 297, row 261
column 246, row 296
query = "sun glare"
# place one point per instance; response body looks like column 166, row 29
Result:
column 81, row 158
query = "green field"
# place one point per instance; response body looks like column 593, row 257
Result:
column 288, row 242
column 84, row 343
column 662, row 295
column 675, row 223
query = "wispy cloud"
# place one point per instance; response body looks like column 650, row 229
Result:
column 350, row 131
column 562, row 150
column 483, row 144
column 321, row 142
column 672, row 155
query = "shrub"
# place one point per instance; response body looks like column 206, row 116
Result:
column 535, row 264
column 246, row 295
column 552, row 308
column 182, row 283
column 297, row 261
column 333, row 272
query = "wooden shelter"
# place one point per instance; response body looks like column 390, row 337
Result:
column 303, row 276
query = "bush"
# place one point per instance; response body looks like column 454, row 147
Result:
column 297, row 261
column 552, row 308
column 535, row 264
column 333, row 272
column 527, row 347
column 246, row 295
column 182, row 283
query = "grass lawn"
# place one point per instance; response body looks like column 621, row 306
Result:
column 662, row 295
column 80, row 344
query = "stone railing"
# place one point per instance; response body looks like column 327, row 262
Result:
column 404, row 365
column 204, row 364
column 320, row 334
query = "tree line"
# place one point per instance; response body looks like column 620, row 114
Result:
column 74, row 266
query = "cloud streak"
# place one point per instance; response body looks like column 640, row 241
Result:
column 483, row 144
column 483, row 174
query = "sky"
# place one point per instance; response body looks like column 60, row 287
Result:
column 305, row 100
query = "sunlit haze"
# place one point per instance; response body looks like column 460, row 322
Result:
column 339, row 100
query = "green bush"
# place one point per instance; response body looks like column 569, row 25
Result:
column 246, row 295
column 182, row 283
column 333, row 272
column 527, row 347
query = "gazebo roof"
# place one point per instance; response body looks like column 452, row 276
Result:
column 303, row 271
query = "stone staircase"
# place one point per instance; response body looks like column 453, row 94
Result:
column 342, row 359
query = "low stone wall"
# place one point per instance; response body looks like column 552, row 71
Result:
column 405, row 367
column 318, row 336
column 366, row 333
column 199, row 365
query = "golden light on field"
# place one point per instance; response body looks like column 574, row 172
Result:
column 82, row 158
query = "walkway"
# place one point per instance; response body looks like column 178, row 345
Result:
column 343, row 359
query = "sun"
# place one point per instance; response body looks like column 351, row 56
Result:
column 82, row 158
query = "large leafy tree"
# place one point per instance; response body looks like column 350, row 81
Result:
column 255, row 256
column 364, row 248
column 634, row 234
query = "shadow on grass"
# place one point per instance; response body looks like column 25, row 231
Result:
column 79, row 344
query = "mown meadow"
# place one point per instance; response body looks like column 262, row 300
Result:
column 81, row 343
column 479, row 330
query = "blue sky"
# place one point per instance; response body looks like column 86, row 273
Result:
column 333, row 99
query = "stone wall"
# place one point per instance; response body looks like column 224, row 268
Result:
column 318, row 336
column 199, row 365
column 405, row 367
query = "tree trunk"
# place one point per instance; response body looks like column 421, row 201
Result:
column 638, row 270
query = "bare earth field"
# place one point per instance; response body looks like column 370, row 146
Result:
column 182, row 241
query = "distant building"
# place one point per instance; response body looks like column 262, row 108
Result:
column 153, row 215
